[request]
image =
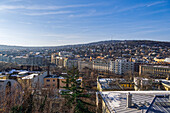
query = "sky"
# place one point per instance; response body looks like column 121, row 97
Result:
column 63, row 22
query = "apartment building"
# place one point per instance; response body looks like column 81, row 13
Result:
column 101, row 65
column 84, row 64
column 154, row 70
column 56, row 82
column 69, row 63
column 121, row 66
column 60, row 61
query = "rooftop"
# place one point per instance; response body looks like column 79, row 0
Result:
column 31, row 76
column 111, row 83
column 158, row 66
column 143, row 101
column 54, row 76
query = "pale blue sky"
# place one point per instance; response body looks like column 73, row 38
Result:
column 62, row 22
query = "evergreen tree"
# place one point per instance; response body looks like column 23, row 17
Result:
column 74, row 93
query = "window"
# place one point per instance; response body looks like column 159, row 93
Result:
column 53, row 80
column 48, row 80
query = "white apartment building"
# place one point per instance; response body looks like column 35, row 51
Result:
column 101, row 65
column 121, row 66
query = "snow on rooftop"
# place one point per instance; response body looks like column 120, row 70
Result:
column 30, row 76
column 61, row 77
column 162, row 66
column 110, row 79
column 13, row 70
column 167, row 60
column 113, row 97
column 138, row 92
column 23, row 72
column 15, row 75
column 102, row 80
column 116, row 101
column 163, row 80
column 157, row 66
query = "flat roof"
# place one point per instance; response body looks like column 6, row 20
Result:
column 116, row 101
column 157, row 66
column 110, row 83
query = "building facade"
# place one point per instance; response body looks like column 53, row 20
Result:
column 101, row 65
column 121, row 66
column 84, row 64
column 154, row 70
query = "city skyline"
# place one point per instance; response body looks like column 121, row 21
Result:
column 63, row 22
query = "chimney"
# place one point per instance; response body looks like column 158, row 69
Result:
column 48, row 70
column 129, row 100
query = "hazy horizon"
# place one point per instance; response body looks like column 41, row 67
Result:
column 62, row 22
column 80, row 43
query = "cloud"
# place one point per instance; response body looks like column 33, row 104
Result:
column 10, row 7
column 14, row 0
column 155, row 12
column 64, row 36
column 28, row 23
column 90, row 13
column 38, row 7
column 48, row 13
column 47, row 9
column 3, row 20
column 140, row 6
column 155, row 3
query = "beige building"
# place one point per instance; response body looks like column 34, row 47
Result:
column 84, row 64
column 53, row 81
column 60, row 61
column 101, row 65
column 154, row 70
column 56, row 82
column 53, row 58
column 69, row 63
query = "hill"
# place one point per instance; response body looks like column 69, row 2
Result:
column 133, row 42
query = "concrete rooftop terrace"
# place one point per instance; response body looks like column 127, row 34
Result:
column 142, row 101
